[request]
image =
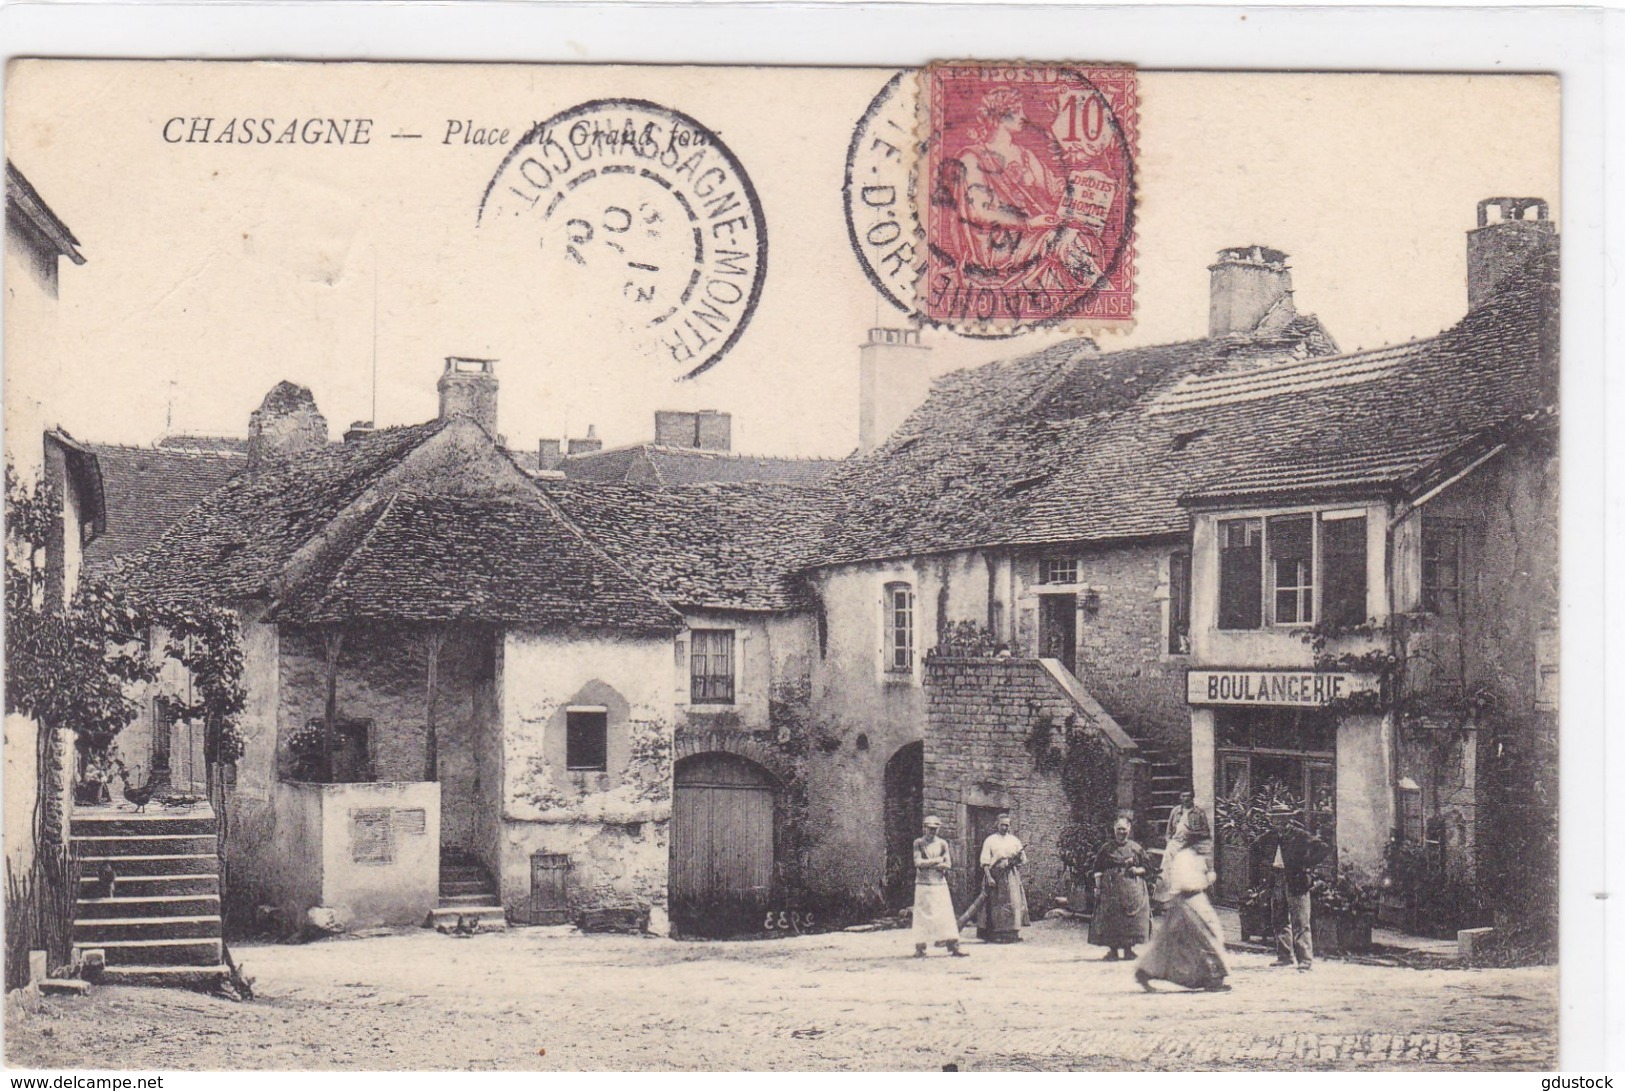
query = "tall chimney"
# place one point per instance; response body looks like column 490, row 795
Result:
column 894, row 378
column 286, row 424
column 588, row 444
column 468, row 388
column 1250, row 292
column 1500, row 246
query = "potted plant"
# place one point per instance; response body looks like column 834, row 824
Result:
column 305, row 747
column 1342, row 913
column 1254, row 909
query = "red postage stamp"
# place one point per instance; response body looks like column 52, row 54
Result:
column 1027, row 196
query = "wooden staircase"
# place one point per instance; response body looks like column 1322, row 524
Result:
column 468, row 897
column 1168, row 779
column 160, row 921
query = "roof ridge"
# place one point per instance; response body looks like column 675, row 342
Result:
column 382, row 509
column 569, row 524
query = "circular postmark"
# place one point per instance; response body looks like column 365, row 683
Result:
column 878, row 192
column 642, row 219
column 1026, row 196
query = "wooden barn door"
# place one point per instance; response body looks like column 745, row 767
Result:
column 722, row 832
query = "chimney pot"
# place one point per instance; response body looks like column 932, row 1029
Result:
column 468, row 388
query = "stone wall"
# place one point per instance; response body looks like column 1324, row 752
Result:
column 613, row 824
column 991, row 724
column 1122, row 654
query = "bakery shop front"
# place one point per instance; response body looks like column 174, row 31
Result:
column 1266, row 734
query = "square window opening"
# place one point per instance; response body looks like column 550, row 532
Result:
column 586, row 741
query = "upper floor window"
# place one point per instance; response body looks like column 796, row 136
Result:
column 1282, row 569
column 899, row 628
column 1441, row 567
column 1060, row 571
column 1179, row 602
column 711, row 666
column 586, row 740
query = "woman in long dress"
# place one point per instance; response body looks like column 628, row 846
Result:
column 934, row 920
column 1122, row 914
column 1188, row 949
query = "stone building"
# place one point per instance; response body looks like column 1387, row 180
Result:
column 1066, row 585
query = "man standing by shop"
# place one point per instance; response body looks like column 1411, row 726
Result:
column 1287, row 853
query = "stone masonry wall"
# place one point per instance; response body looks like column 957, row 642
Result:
column 981, row 716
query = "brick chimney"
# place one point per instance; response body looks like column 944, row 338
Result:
column 468, row 388
column 588, row 444
column 1250, row 292
column 707, row 430
column 360, row 429
column 286, row 424
column 549, row 454
column 894, row 378
column 1504, row 242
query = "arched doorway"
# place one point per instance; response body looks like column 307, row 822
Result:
column 722, row 833
column 904, row 810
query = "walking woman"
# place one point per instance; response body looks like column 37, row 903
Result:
column 1188, row 949
column 1122, row 915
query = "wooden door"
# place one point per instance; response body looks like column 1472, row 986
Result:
column 722, row 832
column 1058, row 629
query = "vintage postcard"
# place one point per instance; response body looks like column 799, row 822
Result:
column 582, row 567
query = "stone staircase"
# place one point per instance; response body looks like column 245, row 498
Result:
column 468, row 897
column 1168, row 779
column 160, row 921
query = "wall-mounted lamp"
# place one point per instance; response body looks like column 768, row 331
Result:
column 1091, row 602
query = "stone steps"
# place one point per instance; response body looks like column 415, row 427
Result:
column 468, row 897
column 160, row 921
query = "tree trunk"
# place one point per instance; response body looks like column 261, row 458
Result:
column 431, row 743
column 333, row 642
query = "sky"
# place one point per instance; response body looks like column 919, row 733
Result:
column 214, row 271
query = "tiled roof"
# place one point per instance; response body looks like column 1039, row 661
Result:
column 148, row 490
column 1071, row 445
column 657, row 464
column 234, row 545
column 443, row 558
column 727, row 546
column 217, row 444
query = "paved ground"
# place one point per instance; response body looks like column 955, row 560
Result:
column 420, row 1000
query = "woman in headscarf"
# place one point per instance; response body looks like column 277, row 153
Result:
column 1188, row 949
column 1122, row 903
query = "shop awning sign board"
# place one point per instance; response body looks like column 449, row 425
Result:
column 1292, row 688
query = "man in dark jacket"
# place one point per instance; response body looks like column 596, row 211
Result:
column 1287, row 853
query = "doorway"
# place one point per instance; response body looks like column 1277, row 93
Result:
column 722, row 833
column 904, row 811
column 980, row 824
column 1266, row 754
column 1058, row 630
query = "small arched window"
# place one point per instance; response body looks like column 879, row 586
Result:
column 899, row 621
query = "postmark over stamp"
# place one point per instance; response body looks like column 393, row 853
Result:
column 1026, row 195
column 643, row 215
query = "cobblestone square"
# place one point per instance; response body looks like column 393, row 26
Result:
column 420, row 1000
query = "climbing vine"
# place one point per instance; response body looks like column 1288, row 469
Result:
column 1082, row 757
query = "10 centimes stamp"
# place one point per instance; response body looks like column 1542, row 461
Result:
column 878, row 192
column 644, row 219
column 1026, row 193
